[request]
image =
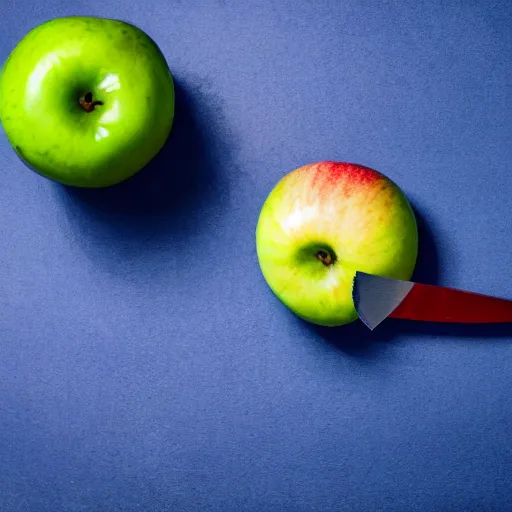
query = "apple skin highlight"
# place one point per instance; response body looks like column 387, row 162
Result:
column 323, row 222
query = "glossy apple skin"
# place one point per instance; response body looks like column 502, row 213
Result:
column 53, row 67
column 356, row 214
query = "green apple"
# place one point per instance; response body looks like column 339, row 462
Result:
column 86, row 101
column 322, row 223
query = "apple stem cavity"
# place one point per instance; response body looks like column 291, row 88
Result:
column 325, row 257
column 87, row 102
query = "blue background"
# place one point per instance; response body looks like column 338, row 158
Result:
column 144, row 363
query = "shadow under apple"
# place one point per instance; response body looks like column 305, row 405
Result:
column 427, row 268
column 172, row 196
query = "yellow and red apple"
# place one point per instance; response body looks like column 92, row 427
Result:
column 323, row 222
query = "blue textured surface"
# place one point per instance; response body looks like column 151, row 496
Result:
column 144, row 363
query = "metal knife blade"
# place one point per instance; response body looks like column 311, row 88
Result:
column 377, row 298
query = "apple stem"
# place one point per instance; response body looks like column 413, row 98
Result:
column 87, row 103
column 325, row 257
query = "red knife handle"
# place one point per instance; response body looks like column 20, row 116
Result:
column 439, row 304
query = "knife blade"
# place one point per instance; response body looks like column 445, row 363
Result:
column 377, row 298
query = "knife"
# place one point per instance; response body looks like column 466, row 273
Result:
column 377, row 298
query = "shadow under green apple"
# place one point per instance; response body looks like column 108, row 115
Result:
column 168, row 200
